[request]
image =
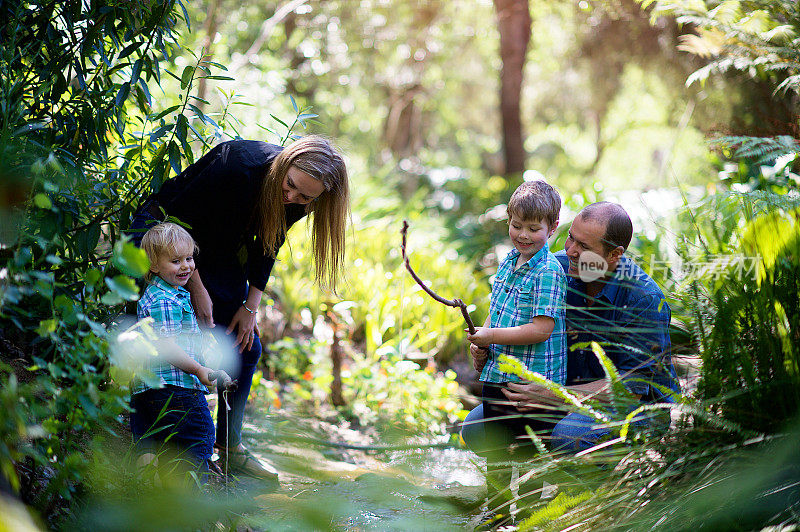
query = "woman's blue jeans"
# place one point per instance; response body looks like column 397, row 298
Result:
column 577, row 432
column 229, row 423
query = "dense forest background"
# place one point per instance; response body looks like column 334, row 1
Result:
column 686, row 112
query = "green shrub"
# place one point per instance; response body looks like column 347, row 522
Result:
column 382, row 390
column 746, row 315
column 397, row 394
column 80, row 141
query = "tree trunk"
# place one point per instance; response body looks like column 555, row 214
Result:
column 336, row 396
column 514, row 23
column 210, row 31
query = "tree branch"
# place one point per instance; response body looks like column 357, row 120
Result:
column 266, row 30
column 450, row 303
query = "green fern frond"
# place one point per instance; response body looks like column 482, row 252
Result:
column 790, row 83
column 537, row 441
column 613, row 379
column 763, row 202
column 759, row 37
column 715, row 67
column 555, row 509
column 761, row 150
column 512, row 365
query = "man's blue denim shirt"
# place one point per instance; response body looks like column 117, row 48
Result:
column 630, row 319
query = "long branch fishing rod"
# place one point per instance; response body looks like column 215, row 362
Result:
column 449, row 302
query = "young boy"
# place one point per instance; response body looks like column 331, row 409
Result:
column 176, row 412
column 526, row 315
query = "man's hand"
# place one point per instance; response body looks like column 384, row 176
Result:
column 482, row 337
column 479, row 357
column 528, row 396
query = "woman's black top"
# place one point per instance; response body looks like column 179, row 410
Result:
column 217, row 197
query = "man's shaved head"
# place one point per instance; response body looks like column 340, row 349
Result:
column 619, row 228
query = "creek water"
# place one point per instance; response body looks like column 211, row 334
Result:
column 333, row 477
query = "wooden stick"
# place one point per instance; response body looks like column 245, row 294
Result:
column 449, row 302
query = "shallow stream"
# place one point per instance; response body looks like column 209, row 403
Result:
column 333, row 478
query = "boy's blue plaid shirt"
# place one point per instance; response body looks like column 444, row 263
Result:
column 173, row 317
column 537, row 288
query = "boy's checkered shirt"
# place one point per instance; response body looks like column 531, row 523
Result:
column 537, row 288
column 173, row 317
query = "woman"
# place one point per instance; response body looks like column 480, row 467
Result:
column 238, row 201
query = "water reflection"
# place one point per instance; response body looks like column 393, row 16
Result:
column 416, row 488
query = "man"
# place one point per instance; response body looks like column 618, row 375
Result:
column 612, row 301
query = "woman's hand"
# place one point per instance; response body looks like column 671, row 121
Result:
column 482, row 337
column 479, row 357
column 244, row 323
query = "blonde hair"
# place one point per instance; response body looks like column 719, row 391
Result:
column 315, row 156
column 165, row 238
column 535, row 200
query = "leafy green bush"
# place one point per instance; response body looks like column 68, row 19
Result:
column 757, row 37
column 289, row 359
column 80, row 141
column 746, row 316
column 398, row 394
column 382, row 390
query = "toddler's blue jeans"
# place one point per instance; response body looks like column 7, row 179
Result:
column 176, row 415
